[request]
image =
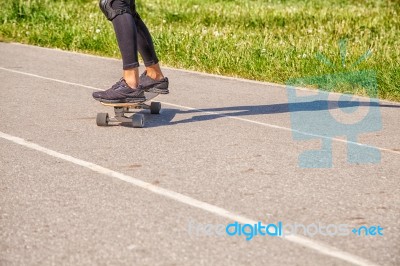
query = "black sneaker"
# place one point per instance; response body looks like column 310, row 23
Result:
column 120, row 93
column 152, row 85
column 98, row 94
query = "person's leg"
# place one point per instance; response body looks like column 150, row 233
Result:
column 146, row 49
column 127, row 89
column 126, row 34
column 152, row 79
column 125, row 31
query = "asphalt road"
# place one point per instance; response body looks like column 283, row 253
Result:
column 222, row 150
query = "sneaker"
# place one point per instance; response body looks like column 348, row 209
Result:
column 120, row 93
column 152, row 85
column 97, row 94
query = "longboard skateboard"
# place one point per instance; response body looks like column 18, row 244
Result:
column 120, row 109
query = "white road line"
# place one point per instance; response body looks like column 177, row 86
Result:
column 303, row 241
column 218, row 114
column 265, row 83
column 46, row 78
column 283, row 128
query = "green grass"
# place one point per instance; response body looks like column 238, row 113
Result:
column 263, row 40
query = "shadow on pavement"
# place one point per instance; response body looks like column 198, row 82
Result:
column 168, row 114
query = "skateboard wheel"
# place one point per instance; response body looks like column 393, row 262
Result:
column 102, row 119
column 155, row 108
column 138, row 120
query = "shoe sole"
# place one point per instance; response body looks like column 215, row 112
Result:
column 159, row 91
column 127, row 100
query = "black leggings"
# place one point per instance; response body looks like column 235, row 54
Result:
column 133, row 36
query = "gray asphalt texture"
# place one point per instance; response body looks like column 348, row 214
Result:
column 226, row 142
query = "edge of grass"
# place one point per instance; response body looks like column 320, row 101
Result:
column 270, row 41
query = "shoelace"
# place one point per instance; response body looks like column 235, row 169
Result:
column 117, row 84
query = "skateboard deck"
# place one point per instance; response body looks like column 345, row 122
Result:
column 148, row 95
column 120, row 109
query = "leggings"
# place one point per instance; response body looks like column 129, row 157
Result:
column 133, row 36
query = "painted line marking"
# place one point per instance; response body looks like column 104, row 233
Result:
column 186, row 200
column 215, row 113
column 265, row 83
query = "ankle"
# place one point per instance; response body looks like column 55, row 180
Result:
column 155, row 75
column 131, row 77
column 154, row 72
column 132, row 83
